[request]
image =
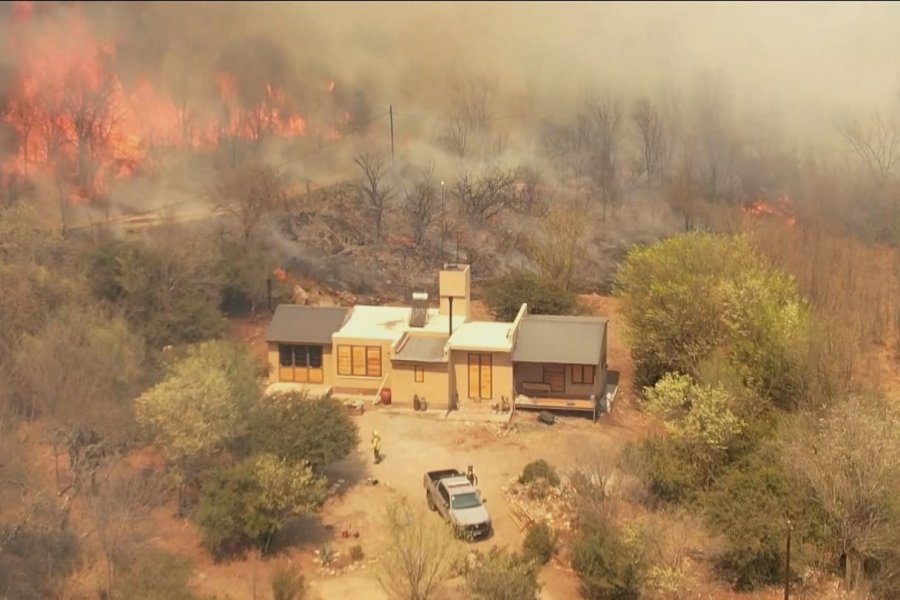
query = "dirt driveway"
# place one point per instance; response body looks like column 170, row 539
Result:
column 414, row 444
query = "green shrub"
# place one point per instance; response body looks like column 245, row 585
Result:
column 157, row 575
column 608, row 567
column 248, row 502
column 502, row 576
column 539, row 543
column 657, row 461
column 539, row 470
column 297, row 427
column 288, row 584
column 504, row 296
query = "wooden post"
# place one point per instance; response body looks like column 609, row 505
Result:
column 787, row 564
column 391, row 115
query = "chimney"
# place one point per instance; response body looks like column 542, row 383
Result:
column 419, row 314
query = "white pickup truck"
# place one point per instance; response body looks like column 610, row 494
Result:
column 452, row 495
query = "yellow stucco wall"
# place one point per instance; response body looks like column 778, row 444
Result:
column 350, row 384
column 328, row 365
column 501, row 378
column 434, row 388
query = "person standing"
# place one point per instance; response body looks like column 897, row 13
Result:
column 376, row 446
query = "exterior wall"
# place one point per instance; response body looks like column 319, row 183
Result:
column 534, row 373
column 435, row 387
column 455, row 283
column 602, row 369
column 501, row 378
column 328, row 367
column 359, row 384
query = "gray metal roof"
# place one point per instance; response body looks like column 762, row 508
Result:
column 422, row 349
column 560, row 340
column 298, row 324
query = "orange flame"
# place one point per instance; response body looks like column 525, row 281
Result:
column 778, row 209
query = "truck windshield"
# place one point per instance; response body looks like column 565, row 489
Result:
column 462, row 501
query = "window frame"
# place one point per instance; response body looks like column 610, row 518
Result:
column 582, row 371
column 419, row 373
column 362, row 360
column 554, row 369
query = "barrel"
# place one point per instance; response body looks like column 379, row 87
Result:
column 385, row 396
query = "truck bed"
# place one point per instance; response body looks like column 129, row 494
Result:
column 434, row 476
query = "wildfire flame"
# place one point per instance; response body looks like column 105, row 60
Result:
column 73, row 117
column 779, row 209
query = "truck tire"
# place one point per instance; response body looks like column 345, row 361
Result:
column 430, row 502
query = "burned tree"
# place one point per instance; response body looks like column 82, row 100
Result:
column 876, row 142
column 249, row 193
column 469, row 119
column 484, row 197
column 717, row 143
column 374, row 188
column 648, row 120
column 422, row 205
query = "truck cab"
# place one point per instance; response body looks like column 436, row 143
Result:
column 451, row 495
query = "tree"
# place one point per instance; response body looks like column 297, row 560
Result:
column 484, row 196
column 557, row 245
column 504, row 296
column 80, row 368
column 848, row 457
column 201, row 404
column 422, row 205
column 609, row 565
column 700, row 419
column 682, row 186
column 876, row 142
column 470, row 112
column 158, row 575
column 648, row 119
column 250, row 501
column 375, row 189
column 419, row 555
column 500, row 575
column 692, row 294
column 248, row 193
column 298, row 428
column 717, row 141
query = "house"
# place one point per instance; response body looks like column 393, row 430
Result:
column 441, row 355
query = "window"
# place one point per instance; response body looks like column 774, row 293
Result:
column 300, row 363
column 420, row 373
column 362, row 361
column 583, row 374
column 480, row 385
column 555, row 377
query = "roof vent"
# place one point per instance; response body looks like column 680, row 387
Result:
column 419, row 314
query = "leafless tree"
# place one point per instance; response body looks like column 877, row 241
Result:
column 375, row 189
column 599, row 128
column 556, row 246
column 876, row 142
column 484, row 197
column 469, row 119
column 717, row 143
column 648, row 119
column 529, row 193
column 249, row 193
column 456, row 136
column 849, row 459
column 683, row 189
column 422, row 203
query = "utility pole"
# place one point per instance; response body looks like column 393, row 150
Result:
column 391, row 115
column 443, row 222
column 787, row 563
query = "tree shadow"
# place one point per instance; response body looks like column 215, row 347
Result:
column 346, row 474
column 303, row 531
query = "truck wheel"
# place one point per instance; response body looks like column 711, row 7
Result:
column 428, row 499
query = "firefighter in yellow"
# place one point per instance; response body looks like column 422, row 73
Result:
column 376, row 446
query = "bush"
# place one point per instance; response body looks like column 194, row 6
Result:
column 249, row 502
column 502, row 576
column 691, row 294
column 539, row 544
column 658, row 462
column 157, row 575
column 296, row 427
column 504, row 296
column 539, row 470
column 288, row 584
column 609, row 568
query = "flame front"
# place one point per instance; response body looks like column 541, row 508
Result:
column 778, row 209
column 74, row 119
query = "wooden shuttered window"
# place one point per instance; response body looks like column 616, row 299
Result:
column 302, row 364
column 480, row 380
column 360, row 361
column 555, row 377
column 420, row 373
column 583, row 374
